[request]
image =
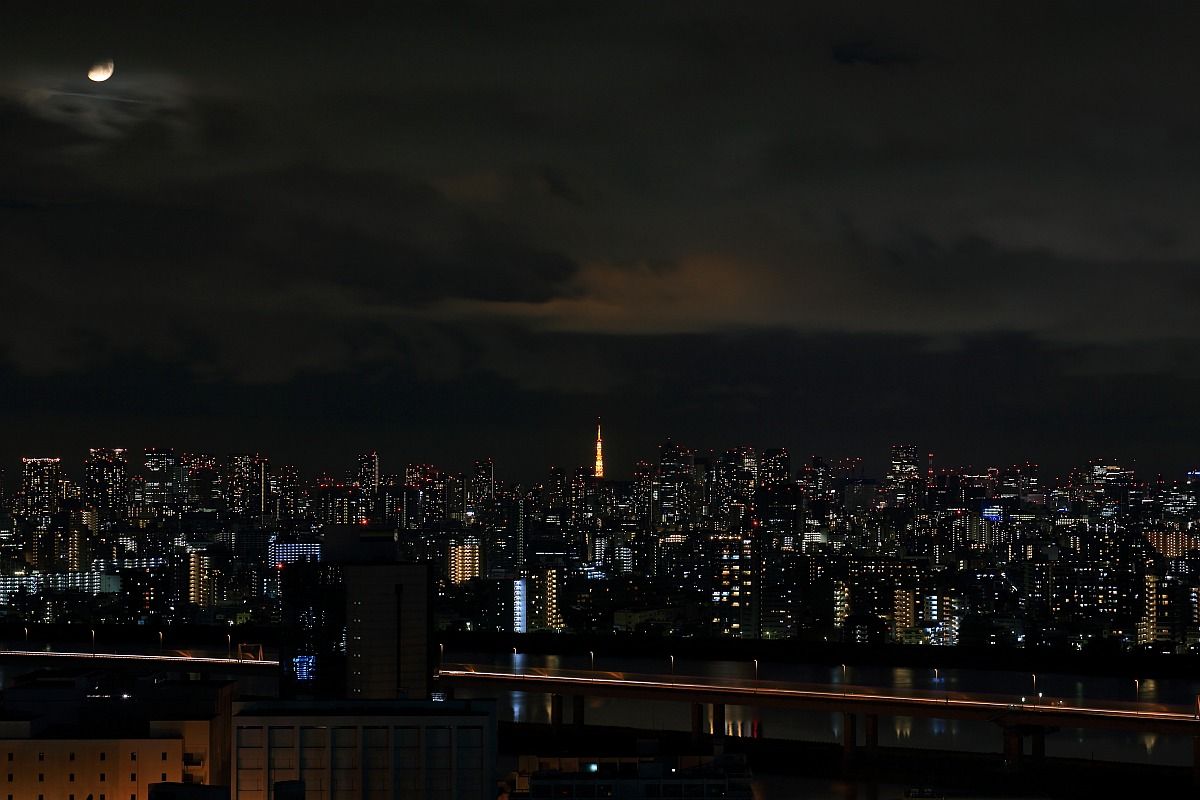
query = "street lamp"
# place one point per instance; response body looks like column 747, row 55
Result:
column 843, row 673
column 756, row 670
column 1137, row 690
column 672, row 664
column 228, row 646
column 27, row 636
column 592, row 653
column 160, row 642
column 93, row 641
column 1034, row 674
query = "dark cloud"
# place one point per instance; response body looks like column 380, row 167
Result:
column 867, row 53
column 972, row 226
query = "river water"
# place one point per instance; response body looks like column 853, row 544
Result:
column 915, row 732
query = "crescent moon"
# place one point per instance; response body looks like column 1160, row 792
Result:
column 101, row 71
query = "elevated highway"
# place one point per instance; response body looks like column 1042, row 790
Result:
column 1018, row 717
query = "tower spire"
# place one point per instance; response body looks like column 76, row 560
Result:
column 599, row 471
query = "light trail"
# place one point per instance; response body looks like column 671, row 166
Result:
column 211, row 660
column 1048, row 707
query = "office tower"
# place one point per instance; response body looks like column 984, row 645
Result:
column 598, row 470
column 162, row 487
column 418, row 475
column 482, row 491
column 238, row 483
column 368, row 473
column 737, row 481
column 247, row 485
column 555, row 495
column 483, row 486
column 581, row 497
column 775, row 471
column 506, row 541
column 673, row 487
column 339, row 504
column 388, row 620
column 904, row 482
column 202, row 484
column 106, row 484
column 643, row 493
column 398, row 504
column 444, row 498
column 288, row 492
column 41, row 480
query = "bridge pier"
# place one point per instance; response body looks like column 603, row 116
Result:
column 1196, row 760
column 871, row 734
column 577, row 709
column 718, row 720
column 1014, row 746
column 1038, row 748
column 556, row 712
column 849, row 736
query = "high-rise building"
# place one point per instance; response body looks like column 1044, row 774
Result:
column 247, row 486
column 545, row 598
column 903, row 486
column 388, row 619
column 41, row 486
column 775, row 469
column 735, row 583
column 106, row 484
column 203, row 490
column 482, row 490
column 163, row 478
column 288, row 492
column 200, row 577
column 238, row 483
column 463, row 561
column 368, row 473
column 671, row 498
column 736, row 483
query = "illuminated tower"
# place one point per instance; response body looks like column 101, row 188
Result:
column 105, row 483
column 40, row 490
column 599, row 473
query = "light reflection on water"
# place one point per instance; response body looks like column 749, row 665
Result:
column 917, row 732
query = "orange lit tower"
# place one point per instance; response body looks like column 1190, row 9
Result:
column 599, row 473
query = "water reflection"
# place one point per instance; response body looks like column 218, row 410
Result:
column 915, row 732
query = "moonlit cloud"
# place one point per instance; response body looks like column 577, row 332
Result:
column 674, row 213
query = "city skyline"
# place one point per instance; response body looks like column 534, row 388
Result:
column 599, row 463
column 529, row 399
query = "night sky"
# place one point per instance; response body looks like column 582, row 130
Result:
column 464, row 230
